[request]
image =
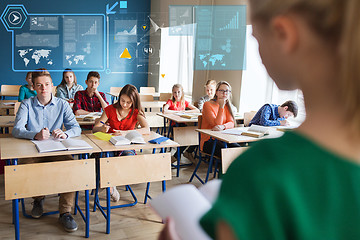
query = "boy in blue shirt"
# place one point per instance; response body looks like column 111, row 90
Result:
column 275, row 115
column 40, row 117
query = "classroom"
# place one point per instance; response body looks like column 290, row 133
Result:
column 160, row 119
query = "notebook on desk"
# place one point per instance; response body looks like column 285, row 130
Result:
column 132, row 137
column 188, row 115
column 53, row 145
column 253, row 131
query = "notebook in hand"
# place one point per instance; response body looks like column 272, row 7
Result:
column 131, row 137
column 186, row 205
column 53, row 145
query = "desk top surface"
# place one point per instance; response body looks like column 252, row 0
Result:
column 7, row 121
column 7, row 104
column 10, row 93
column 155, row 94
column 176, row 118
column 12, row 148
column 230, row 138
column 179, row 119
column 152, row 104
column 107, row 146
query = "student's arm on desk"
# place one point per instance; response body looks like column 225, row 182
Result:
column 265, row 118
column 21, row 120
column 166, row 109
column 145, row 128
column 71, row 125
column 192, row 109
column 101, row 125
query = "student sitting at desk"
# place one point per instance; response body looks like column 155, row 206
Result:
column 90, row 99
column 275, row 115
column 26, row 91
column 40, row 117
column 305, row 184
column 121, row 116
column 68, row 86
column 217, row 115
column 210, row 88
column 178, row 104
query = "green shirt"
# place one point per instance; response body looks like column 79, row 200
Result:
column 25, row 93
column 289, row 188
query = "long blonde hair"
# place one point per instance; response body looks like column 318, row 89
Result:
column 182, row 99
column 228, row 104
column 337, row 22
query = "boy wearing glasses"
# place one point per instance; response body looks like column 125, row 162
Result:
column 275, row 115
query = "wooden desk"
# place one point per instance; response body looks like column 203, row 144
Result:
column 229, row 138
column 9, row 94
column 185, row 136
column 106, row 146
column 16, row 149
column 133, row 169
column 154, row 94
column 153, row 104
column 9, row 121
column 5, row 123
column 7, row 105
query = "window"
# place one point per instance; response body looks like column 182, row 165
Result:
column 257, row 88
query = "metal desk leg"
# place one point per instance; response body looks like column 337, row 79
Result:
column 211, row 161
column 87, row 214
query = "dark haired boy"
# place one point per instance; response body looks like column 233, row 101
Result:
column 275, row 115
column 90, row 99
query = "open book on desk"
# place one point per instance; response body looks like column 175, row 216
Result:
column 186, row 205
column 53, row 145
column 89, row 117
column 253, row 131
column 132, row 136
column 188, row 115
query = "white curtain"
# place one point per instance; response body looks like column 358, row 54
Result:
column 176, row 60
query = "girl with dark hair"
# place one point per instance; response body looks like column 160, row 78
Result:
column 126, row 114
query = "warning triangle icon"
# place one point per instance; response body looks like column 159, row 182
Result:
column 125, row 54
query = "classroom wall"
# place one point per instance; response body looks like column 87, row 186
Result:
column 114, row 71
column 200, row 77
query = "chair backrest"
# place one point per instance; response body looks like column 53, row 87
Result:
column 16, row 107
column 146, row 97
column 10, row 88
column 145, row 90
column 228, row 155
column 247, row 117
column 115, row 90
column 165, row 96
column 136, row 169
column 199, row 121
column 43, row 180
